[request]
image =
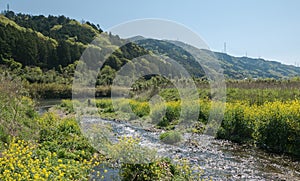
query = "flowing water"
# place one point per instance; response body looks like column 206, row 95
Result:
column 220, row 160
column 45, row 104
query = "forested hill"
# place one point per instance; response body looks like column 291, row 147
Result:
column 234, row 67
column 44, row 41
column 57, row 42
column 245, row 67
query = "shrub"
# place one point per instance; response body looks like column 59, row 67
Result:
column 274, row 126
column 234, row 127
column 65, row 137
column 68, row 105
column 162, row 169
column 152, row 168
column 157, row 170
column 166, row 114
column 204, row 110
column 170, row 94
column 171, row 137
column 173, row 111
column 105, row 105
column 279, row 129
column 140, row 109
column 17, row 115
column 128, row 150
column 24, row 161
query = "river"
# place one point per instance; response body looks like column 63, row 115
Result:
column 220, row 160
column 44, row 104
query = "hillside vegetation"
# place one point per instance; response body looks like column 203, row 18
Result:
column 58, row 42
column 234, row 67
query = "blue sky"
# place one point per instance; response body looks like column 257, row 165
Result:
column 268, row 29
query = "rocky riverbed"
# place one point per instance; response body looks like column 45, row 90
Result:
column 219, row 159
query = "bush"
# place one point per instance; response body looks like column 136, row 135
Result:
column 234, row 126
column 170, row 94
column 162, row 169
column 204, row 110
column 173, row 111
column 67, row 106
column 279, row 129
column 274, row 126
column 17, row 115
column 24, row 161
column 151, row 168
column 105, row 105
column 167, row 114
column 64, row 136
column 157, row 170
column 171, row 137
column 140, row 109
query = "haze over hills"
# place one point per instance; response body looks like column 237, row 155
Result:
column 53, row 42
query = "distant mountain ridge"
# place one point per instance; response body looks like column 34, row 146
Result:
column 55, row 42
column 246, row 67
column 234, row 67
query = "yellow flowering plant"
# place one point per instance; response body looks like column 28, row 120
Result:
column 23, row 160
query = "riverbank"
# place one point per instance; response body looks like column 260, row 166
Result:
column 53, row 147
column 60, row 140
column 272, row 126
column 219, row 159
